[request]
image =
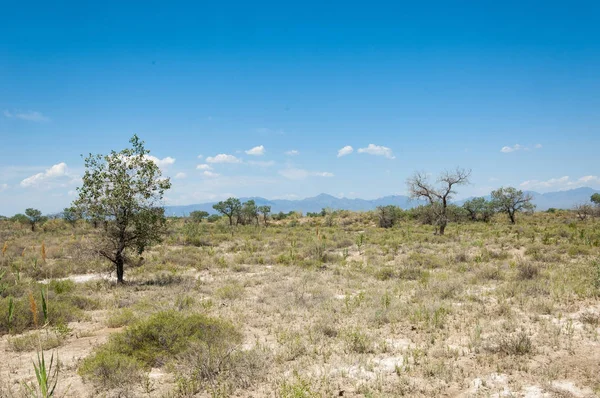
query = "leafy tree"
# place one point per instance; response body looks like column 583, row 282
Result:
column 265, row 211
column 230, row 208
column 71, row 215
column 125, row 190
column 595, row 198
column 479, row 209
column 20, row 218
column 511, row 201
column 213, row 218
column 388, row 215
column 438, row 197
column 248, row 213
column 198, row 215
column 34, row 216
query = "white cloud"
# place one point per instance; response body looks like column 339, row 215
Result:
column 180, row 176
column 538, row 146
column 508, row 149
column 3, row 187
column 562, row 183
column 31, row 116
column 377, row 150
column 210, row 174
column 256, row 151
column 347, row 150
column 204, row 167
column 200, row 156
column 260, row 163
column 293, row 152
column 223, row 158
column 56, row 171
column 162, row 163
column 300, row 174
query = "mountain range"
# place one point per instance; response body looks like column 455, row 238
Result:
column 543, row 201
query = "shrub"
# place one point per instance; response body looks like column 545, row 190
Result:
column 61, row 286
column 519, row 344
column 528, row 270
column 111, row 369
column 120, row 318
column 157, row 341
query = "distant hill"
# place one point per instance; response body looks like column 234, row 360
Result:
column 559, row 200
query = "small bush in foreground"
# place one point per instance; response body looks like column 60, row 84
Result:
column 157, row 341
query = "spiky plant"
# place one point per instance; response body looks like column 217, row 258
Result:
column 46, row 378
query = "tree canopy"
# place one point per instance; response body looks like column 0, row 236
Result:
column 511, row 201
column 125, row 191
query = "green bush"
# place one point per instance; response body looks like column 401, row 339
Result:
column 61, row 286
column 111, row 369
column 158, row 341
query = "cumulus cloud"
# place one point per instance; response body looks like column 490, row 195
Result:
column 347, row 150
column 377, row 150
column 538, row 146
column 508, row 149
column 223, row 158
column 561, row 183
column 31, row 116
column 256, row 151
column 55, row 172
column 293, row 152
column 204, row 167
column 300, row 174
column 3, row 187
column 210, row 174
column 162, row 163
column 323, row 174
column 180, row 176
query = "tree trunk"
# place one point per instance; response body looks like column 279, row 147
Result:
column 119, row 262
column 512, row 217
column 32, row 227
column 442, row 228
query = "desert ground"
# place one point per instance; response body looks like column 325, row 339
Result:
column 302, row 309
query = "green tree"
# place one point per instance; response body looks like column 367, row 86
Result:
column 388, row 215
column 248, row 213
column 34, row 216
column 230, row 208
column 71, row 215
column 438, row 196
column 595, row 198
column 198, row 215
column 125, row 190
column 265, row 211
column 479, row 209
column 511, row 201
column 20, row 218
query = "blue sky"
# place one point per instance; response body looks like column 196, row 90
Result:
column 508, row 89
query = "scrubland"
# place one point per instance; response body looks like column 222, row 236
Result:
column 301, row 309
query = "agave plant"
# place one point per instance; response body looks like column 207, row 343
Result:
column 46, row 378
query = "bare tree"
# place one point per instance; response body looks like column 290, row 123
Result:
column 583, row 211
column 438, row 196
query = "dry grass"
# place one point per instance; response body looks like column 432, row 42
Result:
column 487, row 309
